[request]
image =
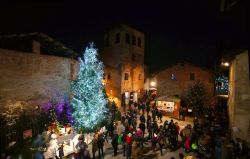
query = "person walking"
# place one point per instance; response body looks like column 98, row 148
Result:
column 114, row 143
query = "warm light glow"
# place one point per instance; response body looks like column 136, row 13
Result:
column 104, row 82
column 225, row 64
column 153, row 83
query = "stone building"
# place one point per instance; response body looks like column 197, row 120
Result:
column 174, row 79
column 239, row 95
column 123, row 57
column 34, row 67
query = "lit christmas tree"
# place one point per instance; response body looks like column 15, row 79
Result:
column 89, row 102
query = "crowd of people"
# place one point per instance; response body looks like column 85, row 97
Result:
column 146, row 131
column 142, row 125
column 204, row 137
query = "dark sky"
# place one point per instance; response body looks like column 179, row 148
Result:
column 175, row 30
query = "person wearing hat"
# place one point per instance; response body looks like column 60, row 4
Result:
column 81, row 146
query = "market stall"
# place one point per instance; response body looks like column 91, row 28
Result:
column 169, row 106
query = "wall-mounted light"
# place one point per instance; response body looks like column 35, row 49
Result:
column 104, row 82
column 226, row 64
column 153, row 83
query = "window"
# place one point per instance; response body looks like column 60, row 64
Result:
column 133, row 40
column 126, row 76
column 139, row 42
column 109, row 76
column 107, row 42
column 104, row 76
column 173, row 77
column 139, row 77
column 192, row 77
column 133, row 56
column 117, row 38
column 127, row 38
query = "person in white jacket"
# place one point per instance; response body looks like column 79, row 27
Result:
column 52, row 148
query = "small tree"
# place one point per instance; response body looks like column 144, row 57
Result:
column 196, row 97
column 88, row 101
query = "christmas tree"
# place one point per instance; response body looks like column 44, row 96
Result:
column 89, row 102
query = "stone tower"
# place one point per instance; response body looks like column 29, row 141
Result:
column 123, row 57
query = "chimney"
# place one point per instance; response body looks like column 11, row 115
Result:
column 36, row 47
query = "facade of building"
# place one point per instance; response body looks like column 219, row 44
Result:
column 239, row 96
column 33, row 71
column 123, row 57
column 175, row 79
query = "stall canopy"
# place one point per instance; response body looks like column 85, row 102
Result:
column 168, row 98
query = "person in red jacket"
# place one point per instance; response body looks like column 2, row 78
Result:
column 129, row 141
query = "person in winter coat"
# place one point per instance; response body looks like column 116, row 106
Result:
column 100, row 144
column 160, row 116
column 81, row 146
column 148, row 107
column 177, row 130
column 139, row 137
column 142, row 127
column 94, row 145
column 161, row 141
column 129, row 141
column 148, row 121
column 155, row 127
column 142, row 118
column 52, row 147
column 114, row 143
column 124, row 143
column 154, row 141
column 150, row 130
column 39, row 143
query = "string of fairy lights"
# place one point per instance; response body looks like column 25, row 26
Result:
column 88, row 98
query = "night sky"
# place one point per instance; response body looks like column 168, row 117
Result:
column 175, row 30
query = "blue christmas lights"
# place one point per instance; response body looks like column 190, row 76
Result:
column 88, row 102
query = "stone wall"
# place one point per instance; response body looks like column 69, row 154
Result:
column 28, row 76
column 175, row 79
column 239, row 97
column 122, row 58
